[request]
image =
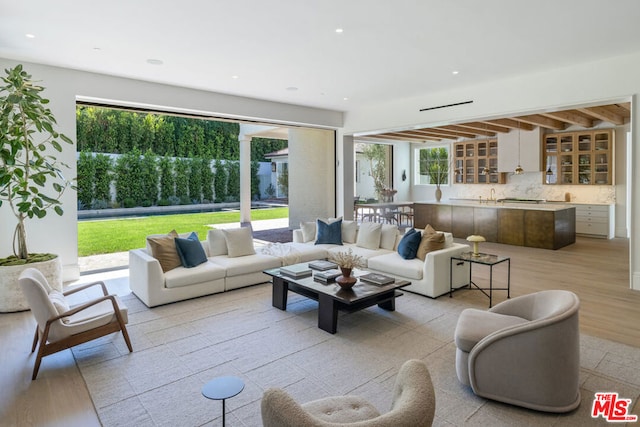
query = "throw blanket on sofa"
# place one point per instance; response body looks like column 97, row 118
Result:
column 286, row 253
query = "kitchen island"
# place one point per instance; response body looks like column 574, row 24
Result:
column 535, row 225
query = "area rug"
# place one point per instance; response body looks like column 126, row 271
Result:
column 180, row 347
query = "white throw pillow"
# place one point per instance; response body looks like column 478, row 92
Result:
column 217, row 243
column 349, row 229
column 388, row 236
column 308, row 231
column 239, row 242
column 369, row 235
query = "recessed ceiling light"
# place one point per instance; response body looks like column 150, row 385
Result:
column 97, row 48
column 155, row 61
column 30, row 36
column 292, row 88
column 455, row 72
column 339, row 30
column 235, row 77
column 345, row 99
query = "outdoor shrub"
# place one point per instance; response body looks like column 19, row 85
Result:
column 195, row 180
column 102, row 169
column 81, row 206
column 146, row 203
column 255, row 180
column 185, row 200
column 181, row 168
column 99, row 204
column 86, row 176
column 207, row 180
column 129, row 177
column 167, row 181
column 174, row 200
column 164, row 202
column 233, row 181
column 129, row 203
column 220, row 182
column 115, row 205
column 149, row 177
column 270, row 190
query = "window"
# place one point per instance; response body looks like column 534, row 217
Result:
column 432, row 165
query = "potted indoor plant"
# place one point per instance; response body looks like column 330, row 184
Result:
column 31, row 181
column 438, row 169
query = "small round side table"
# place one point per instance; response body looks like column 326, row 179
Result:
column 222, row 388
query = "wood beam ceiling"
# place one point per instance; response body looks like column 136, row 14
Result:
column 587, row 117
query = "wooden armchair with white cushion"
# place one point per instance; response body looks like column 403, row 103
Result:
column 60, row 326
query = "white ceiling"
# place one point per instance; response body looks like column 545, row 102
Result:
column 388, row 50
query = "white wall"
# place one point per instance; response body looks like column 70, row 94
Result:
column 63, row 86
column 312, row 180
column 613, row 79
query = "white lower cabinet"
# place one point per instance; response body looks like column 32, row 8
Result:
column 595, row 220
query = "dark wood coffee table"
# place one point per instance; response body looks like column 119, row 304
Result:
column 332, row 298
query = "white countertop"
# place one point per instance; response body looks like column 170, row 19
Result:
column 475, row 203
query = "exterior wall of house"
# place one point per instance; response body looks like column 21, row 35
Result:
column 64, row 86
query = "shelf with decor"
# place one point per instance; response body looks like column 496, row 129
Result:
column 476, row 162
column 578, row 158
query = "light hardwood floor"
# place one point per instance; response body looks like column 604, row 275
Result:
column 596, row 270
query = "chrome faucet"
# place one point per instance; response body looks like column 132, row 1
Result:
column 492, row 197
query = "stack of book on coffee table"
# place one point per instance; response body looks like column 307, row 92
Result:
column 296, row 271
column 327, row 276
column 377, row 279
column 322, row 265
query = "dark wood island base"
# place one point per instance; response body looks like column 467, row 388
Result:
column 534, row 226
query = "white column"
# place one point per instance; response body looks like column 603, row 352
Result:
column 245, row 181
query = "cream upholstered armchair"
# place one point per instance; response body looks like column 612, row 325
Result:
column 413, row 405
column 524, row 351
column 60, row 326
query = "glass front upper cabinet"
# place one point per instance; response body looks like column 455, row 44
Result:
column 578, row 158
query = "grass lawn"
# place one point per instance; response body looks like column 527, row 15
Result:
column 118, row 235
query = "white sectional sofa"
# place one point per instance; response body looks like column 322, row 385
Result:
column 219, row 273
column 225, row 268
column 429, row 277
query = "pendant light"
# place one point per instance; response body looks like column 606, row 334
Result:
column 485, row 170
column 519, row 169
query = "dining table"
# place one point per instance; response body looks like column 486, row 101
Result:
column 389, row 212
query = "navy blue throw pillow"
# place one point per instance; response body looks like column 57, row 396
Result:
column 408, row 246
column 190, row 251
column 330, row 233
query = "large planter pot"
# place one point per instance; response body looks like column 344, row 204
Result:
column 11, row 297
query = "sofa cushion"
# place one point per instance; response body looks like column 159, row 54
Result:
column 205, row 272
column 369, row 235
column 163, row 248
column 217, row 243
column 298, row 252
column 246, row 264
column 393, row 264
column 308, row 231
column 329, row 233
column 408, row 246
column 239, row 242
column 431, row 241
column 473, row 325
column 349, row 231
column 190, row 251
column 388, row 235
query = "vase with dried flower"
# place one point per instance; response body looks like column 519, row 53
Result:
column 347, row 261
